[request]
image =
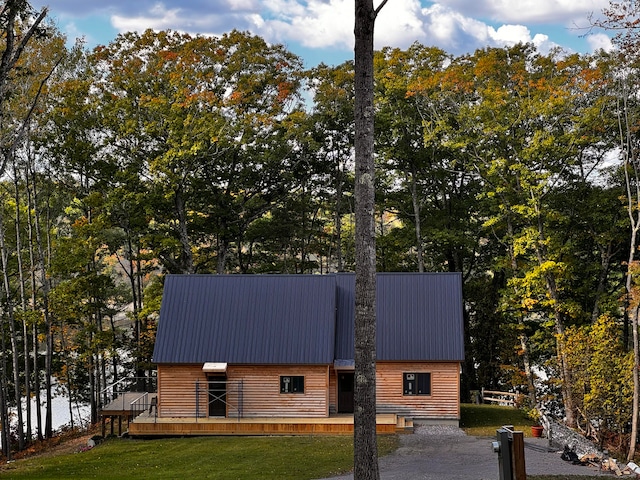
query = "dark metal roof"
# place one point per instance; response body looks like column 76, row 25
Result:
column 418, row 315
column 306, row 319
column 345, row 315
column 257, row 319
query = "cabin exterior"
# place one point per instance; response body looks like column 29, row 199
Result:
column 282, row 346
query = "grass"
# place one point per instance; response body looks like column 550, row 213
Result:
column 220, row 458
column 246, row 458
column 484, row 420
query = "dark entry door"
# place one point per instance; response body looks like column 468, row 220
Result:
column 217, row 396
column 345, row 392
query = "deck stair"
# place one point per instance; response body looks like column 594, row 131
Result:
column 124, row 400
column 404, row 425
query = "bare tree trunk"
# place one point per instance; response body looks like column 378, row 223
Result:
column 338, row 219
column 524, row 347
column 4, row 406
column 636, row 385
column 9, row 312
column 417, row 221
column 632, row 183
column 23, row 301
column 223, row 247
column 365, row 446
column 48, row 324
column 186, row 257
column 34, row 298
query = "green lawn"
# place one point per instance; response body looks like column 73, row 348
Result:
column 221, row 458
column 484, row 420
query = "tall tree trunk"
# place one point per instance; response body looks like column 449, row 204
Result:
column 636, row 384
column 605, row 265
column 48, row 324
column 5, row 433
column 133, row 274
column 338, row 219
column 365, row 446
column 9, row 313
column 524, row 348
column 632, row 183
column 222, row 253
column 417, row 221
column 34, row 299
column 186, row 257
column 23, row 301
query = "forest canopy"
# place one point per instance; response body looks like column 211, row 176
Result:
column 164, row 152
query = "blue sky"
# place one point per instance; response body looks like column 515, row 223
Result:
column 322, row 30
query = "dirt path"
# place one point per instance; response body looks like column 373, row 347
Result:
column 71, row 442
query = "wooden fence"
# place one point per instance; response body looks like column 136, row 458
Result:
column 500, row 398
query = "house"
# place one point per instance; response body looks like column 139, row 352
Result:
column 282, row 346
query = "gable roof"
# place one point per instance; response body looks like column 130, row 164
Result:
column 418, row 317
column 266, row 319
column 306, row 319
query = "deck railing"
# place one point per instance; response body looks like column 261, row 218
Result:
column 145, row 402
column 227, row 395
column 125, row 385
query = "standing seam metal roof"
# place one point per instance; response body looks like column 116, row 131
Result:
column 306, row 319
column 418, row 317
column 269, row 319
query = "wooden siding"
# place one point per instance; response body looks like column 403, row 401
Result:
column 261, row 397
column 442, row 404
column 333, row 392
column 261, row 390
column 176, row 389
column 257, row 396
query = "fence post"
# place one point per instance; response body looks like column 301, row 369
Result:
column 510, row 449
column 517, row 446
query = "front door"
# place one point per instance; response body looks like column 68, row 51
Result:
column 345, row 392
column 217, row 396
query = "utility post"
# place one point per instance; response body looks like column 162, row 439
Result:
column 509, row 446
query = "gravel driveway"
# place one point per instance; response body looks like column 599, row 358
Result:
column 447, row 453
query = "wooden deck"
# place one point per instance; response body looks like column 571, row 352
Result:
column 122, row 404
column 146, row 425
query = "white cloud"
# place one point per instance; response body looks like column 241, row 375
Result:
column 320, row 24
column 159, row 18
column 510, row 34
column 242, row 5
column 598, row 41
column 529, row 11
column 400, row 24
column 456, row 26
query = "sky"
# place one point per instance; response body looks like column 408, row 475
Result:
column 322, row 30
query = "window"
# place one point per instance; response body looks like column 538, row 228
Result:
column 417, row 383
column 292, row 384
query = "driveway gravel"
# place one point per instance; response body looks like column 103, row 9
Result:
column 447, row 453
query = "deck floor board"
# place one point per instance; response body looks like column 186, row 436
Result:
column 148, row 425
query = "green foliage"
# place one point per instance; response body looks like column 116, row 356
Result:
column 602, row 374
